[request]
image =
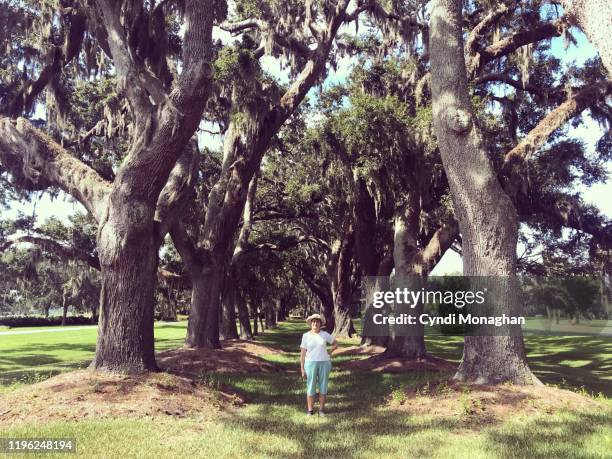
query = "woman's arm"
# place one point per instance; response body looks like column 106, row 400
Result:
column 302, row 360
column 334, row 346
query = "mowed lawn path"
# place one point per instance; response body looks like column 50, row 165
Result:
column 359, row 424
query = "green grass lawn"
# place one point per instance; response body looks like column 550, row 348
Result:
column 571, row 362
column 566, row 327
column 273, row 423
column 30, row 357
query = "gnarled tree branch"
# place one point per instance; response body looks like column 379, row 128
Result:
column 185, row 247
column 512, row 42
column 71, row 253
column 27, row 151
column 57, row 57
column 502, row 78
column 471, row 44
column 179, row 189
column 247, row 220
column 285, row 41
column 315, row 65
column 572, row 107
column 444, row 237
column 170, row 127
column 128, row 68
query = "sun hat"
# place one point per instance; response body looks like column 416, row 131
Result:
column 315, row 316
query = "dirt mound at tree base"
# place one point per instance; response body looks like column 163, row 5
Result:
column 235, row 357
column 380, row 362
column 90, row 394
column 186, row 387
column 483, row 404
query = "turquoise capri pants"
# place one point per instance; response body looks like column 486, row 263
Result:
column 317, row 372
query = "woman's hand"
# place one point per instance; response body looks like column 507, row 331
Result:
column 303, row 373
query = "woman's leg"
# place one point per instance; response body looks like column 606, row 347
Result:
column 317, row 380
column 323, row 376
column 311, row 382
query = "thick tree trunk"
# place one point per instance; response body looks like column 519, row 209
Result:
column 375, row 341
column 407, row 347
column 366, row 226
column 203, row 327
column 270, row 315
column 225, row 206
column 385, row 267
column 243, row 316
column 343, row 325
column 273, row 315
column 168, row 312
column 242, row 244
column 323, row 291
column 281, row 312
column 128, row 240
column 207, row 279
column 411, row 345
column 372, row 262
column 593, row 17
column 487, row 217
column 328, row 312
column 128, row 259
column 171, row 311
column 228, row 318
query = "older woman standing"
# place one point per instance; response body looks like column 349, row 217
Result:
column 315, row 361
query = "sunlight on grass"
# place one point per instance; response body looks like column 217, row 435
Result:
column 29, row 358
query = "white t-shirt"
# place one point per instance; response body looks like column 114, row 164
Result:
column 316, row 346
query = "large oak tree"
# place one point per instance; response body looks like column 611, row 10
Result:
column 164, row 107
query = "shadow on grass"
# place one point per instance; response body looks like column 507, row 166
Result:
column 567, row 361
column 571, row 362
column 355, row 398
column 27, row 364
column 568, row 434
column 358, row 422
column 37, row 362
column 277, row 408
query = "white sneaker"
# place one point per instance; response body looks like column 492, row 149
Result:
column 322, row 414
